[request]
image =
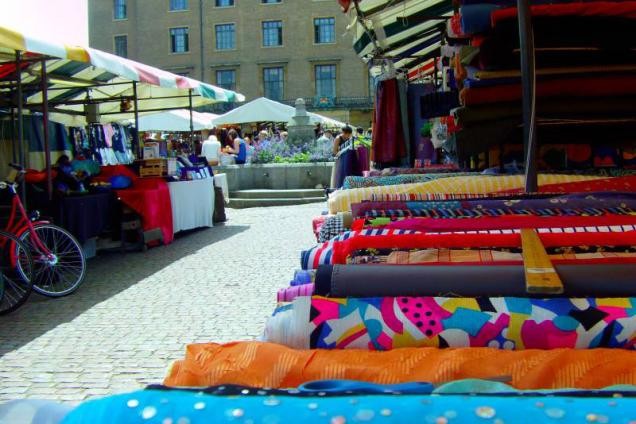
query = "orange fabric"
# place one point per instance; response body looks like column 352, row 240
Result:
column 258, row 364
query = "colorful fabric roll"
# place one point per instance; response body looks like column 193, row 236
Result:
column 361, row 182
column 183, row 406
column 290, row 293
column 512, row 323
column 250, row 364
column 341, row 200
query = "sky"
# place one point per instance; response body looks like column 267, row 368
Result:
column 56, row 20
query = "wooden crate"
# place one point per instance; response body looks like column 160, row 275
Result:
column 153, row 168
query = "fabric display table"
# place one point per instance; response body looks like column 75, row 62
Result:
column 192, row 204
column 220, row 180
column 85, row 216
column 149, row 197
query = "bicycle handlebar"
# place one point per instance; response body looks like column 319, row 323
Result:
column 17, row 167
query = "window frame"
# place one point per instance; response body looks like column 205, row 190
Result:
column 316, row 30
column 265, row 83
column 280, row 33
column 125, row 5
column 274, row 2
column 186, row 8
column 216, row 78
column 335, row 79
column 216, row 38
column 216, row 4
column 187, row 44
column 118, row 36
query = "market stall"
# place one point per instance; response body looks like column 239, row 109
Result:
column 82, row 161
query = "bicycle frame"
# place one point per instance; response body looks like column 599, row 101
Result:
column 19, row 222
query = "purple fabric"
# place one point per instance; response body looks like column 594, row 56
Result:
column 290, row 293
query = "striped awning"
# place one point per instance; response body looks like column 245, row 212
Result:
column 406, row 32
column 77, row 74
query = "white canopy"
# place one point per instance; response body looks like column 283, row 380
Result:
column 266, row 110
column 176, row 120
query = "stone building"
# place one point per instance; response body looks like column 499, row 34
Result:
column 280, row 49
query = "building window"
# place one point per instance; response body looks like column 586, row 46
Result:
column 223, row 3
column 273, row 83
column 326, row 81
column 324, row 30
column 226, row 78
column 179, row 40
column 272, row 33
column 119, row 9
column 178, row 4
column 225, row 37
column 121, row 45
column 270, row 1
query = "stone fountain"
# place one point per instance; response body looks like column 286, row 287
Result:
column 300, row 129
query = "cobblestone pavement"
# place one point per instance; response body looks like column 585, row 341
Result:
column 135, row 313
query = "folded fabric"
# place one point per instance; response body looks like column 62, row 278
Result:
column 626, row 184
column 476, row 17
column 384, row 323
column 569, row 87
column 435, row 168
column 250, row 364
column 183, row 406
column 622, row 10
column 341, row 200
column 461, row 280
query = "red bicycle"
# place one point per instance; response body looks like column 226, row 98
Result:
column 59, row 264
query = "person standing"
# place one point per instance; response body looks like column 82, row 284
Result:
column 344, row 136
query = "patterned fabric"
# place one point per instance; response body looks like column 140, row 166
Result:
column 410, row 197
column 190, row 406
column 323, row 253
column 332, row 227
column 500, row 322
column 403, row 171
column 341, row 200
column 480, row 212
column 360, row 182
column 249, row 363
column 290, row 293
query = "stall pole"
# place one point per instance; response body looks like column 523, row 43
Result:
column 21, row 149
column 45, row 130
column 191, row 118
column 14, row 142
column 136, row 139
column 528, row 80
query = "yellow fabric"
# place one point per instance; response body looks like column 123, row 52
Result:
column 78, row 54
column 11, row 40
column 341, row 200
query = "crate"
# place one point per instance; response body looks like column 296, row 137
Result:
column 158, row 167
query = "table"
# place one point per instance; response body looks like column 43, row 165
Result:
column 192, row 204
column 220, row 180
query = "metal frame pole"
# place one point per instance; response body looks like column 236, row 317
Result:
column 528, row 80
column 45, row 130
column 21, row 149
column 136, row 137
column 191, row 118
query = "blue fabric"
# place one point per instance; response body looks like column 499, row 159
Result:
column 241, row 157
column 159, row 406
column 476, row 18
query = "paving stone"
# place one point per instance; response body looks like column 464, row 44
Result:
column 135, row 313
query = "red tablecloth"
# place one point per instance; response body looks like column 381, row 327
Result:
column 149, row 197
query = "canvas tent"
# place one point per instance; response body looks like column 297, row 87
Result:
column 266, row 110
column 176, row 120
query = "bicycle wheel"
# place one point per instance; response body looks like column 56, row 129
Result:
column 59, row 271
column 16, row 272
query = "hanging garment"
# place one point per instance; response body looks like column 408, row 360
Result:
column 388, row 134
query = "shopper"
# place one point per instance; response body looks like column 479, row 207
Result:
column 238, row 148
column 342, row 138
column 211, row 149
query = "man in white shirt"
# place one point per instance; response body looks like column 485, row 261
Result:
column 211, row 149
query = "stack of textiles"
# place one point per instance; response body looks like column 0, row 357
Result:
column 426, row 291
column 586, row 80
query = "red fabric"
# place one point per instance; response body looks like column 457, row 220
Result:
column 342, row 249
column 345, row 4
column 573, row 87
column 620, row 184
column 624, row 10
column 317, row 224
column 149, row 197
column 388, row 135
column 509, row 222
